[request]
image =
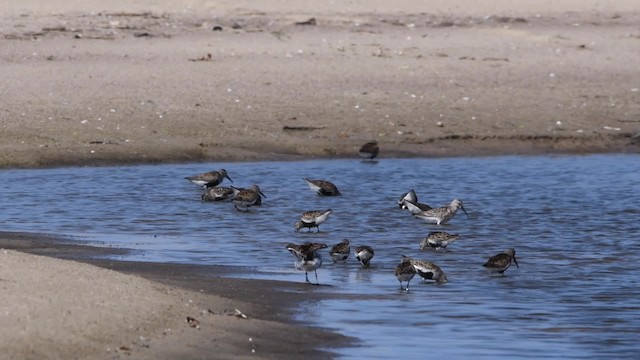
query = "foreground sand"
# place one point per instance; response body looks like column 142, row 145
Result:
column 66, row 309
column 94, row 83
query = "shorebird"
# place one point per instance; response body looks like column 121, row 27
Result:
column 307, row 258
column 501, row 262
column 409, row 195
column 323, row 187
column 340, row 252
column 438, row 240
column 442, row 215
column 428, row 271
column 244, row 198
column 211, row 178
column 364, row 255
column 369, row 150
column 415, row 207
column 405, row 271
column 218, row 193
column 312, row 219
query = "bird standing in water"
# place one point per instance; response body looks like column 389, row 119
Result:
column 405, row 272
column 364, row 255
column 323, row 187
column 312, row 219
column 340, row 252
column 245, row 198
column 210, row 178
column 369, row 151
column 501, row 262
column 307, row 258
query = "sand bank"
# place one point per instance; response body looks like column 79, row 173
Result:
column 96, row 83
column 102, row 309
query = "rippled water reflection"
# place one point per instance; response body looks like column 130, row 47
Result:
column 574, row 222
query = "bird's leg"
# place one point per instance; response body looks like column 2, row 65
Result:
column 317, row 282
column 306, row 277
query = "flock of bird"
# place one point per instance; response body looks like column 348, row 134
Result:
column 308, row 257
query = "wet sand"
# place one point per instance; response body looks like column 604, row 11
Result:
column 61, row 301
column 88, row 83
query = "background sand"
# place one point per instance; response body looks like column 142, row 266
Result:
column 88, row 82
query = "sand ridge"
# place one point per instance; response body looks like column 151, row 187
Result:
column 97, row 84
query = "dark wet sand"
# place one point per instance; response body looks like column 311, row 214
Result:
column 269, row 305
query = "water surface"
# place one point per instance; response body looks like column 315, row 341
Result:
column 573, row 220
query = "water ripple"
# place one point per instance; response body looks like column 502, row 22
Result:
column 572, row 219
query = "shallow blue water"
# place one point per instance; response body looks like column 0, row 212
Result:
column 573, row 220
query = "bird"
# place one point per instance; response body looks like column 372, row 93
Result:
column 210, row 178
column 340, row 251
column 323, row 187
column 369, row 150
column 307, row 258
column 364, row 255
column 218, row 193
column 442, row 215
column 501, row 262
column 313, row 219
column 245, row 198
column 428, row 271
column 405, row 271
column 415, row 207
column 438, row 240
column 409, row 195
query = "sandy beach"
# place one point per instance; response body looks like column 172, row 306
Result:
column 61, row 302
column 96, row 83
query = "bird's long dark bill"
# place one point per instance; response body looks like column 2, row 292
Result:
column 227, row 176
column 516, row 261
column 465, row 211
column 261, row 193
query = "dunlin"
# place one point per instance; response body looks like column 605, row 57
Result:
column 245, row 198
column 340, row 252
column 218, row 193
column 438, row 240
column 211, row 178
column 501, row 262
column 369, row 150
column 313, row 219
column 405, row 271
column 415, row 207
column 323, row 187
column 364, row 255
column 307, row 258
column 429, row 271
column 442, row 215
column 409, row 195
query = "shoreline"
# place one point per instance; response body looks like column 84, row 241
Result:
column 157, row 329
column 450, row 146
